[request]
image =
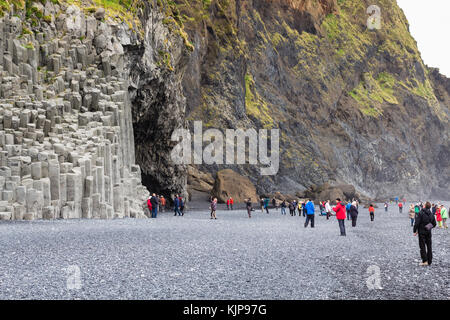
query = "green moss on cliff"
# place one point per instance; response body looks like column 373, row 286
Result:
column 372, row 93
column 255, row 106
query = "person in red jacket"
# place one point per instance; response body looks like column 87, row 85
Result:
column 340, row 215
column 231, row 203
column 400, row 207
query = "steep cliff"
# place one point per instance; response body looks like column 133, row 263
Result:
column 353, row 105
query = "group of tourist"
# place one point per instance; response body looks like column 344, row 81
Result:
column 155, row 203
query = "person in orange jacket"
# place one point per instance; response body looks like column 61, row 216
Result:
column 228, row 204
column 340, row 215
column 162, row 204
column 371, row 212
column 231, row 203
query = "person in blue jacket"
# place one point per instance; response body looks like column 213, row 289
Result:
column 266, row 204
column 309, row 207
column 347, row 209
column 176, row 206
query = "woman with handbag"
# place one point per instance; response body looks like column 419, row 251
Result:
column 425, row 221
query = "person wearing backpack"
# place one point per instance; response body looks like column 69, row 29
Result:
column 353, row 213
column 425, row 222
column 347, row 209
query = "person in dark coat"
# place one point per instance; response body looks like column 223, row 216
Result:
column 249, row 207
column 176, row 206
column 353, row 213
column 291, row 208
column 155, row 201
column 425, row 222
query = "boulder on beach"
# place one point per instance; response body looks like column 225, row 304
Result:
column 229, row 183
column 199, row 181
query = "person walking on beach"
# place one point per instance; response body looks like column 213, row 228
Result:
column 266, row 205
column 274, row 203
column 283, row 207
column 372, row 212
column 423, row 225
column 309, row 206
column 386, row 207
column 155, row 201
column 176, row 206
column 412, row 214
column 249, row 207
column 347, row 209
column 439, row 216
column 149, row 207
column 228, row 204
column 231, row 202
column 295, row 203
column 291, row 208
column 354, row 213
column 162, row 204
column 328, row 209
column 444, row 215
column 261, row 202
column 213, row 208
column 340, row 215
column 400, row 207
column 181, row 205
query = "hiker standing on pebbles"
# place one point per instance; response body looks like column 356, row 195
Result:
column 340, row 215
column 213, row 208
column 353, row 213
column 309, row 207
column 328, row 209
column 425, row 222
column 372, row 212
column 412, row 214
column 444, row 215
column 249, row 207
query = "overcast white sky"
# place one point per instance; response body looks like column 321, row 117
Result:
column 429, row 23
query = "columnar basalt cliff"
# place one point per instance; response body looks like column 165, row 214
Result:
column 66, row 131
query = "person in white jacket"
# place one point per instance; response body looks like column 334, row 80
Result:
column 328, row 209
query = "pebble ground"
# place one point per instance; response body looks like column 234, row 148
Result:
column 269, row 256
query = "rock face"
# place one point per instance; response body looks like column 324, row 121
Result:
column 353, row 106
column 199, row 181
column 331, row 192
column 228, row 183
column 66, row 133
